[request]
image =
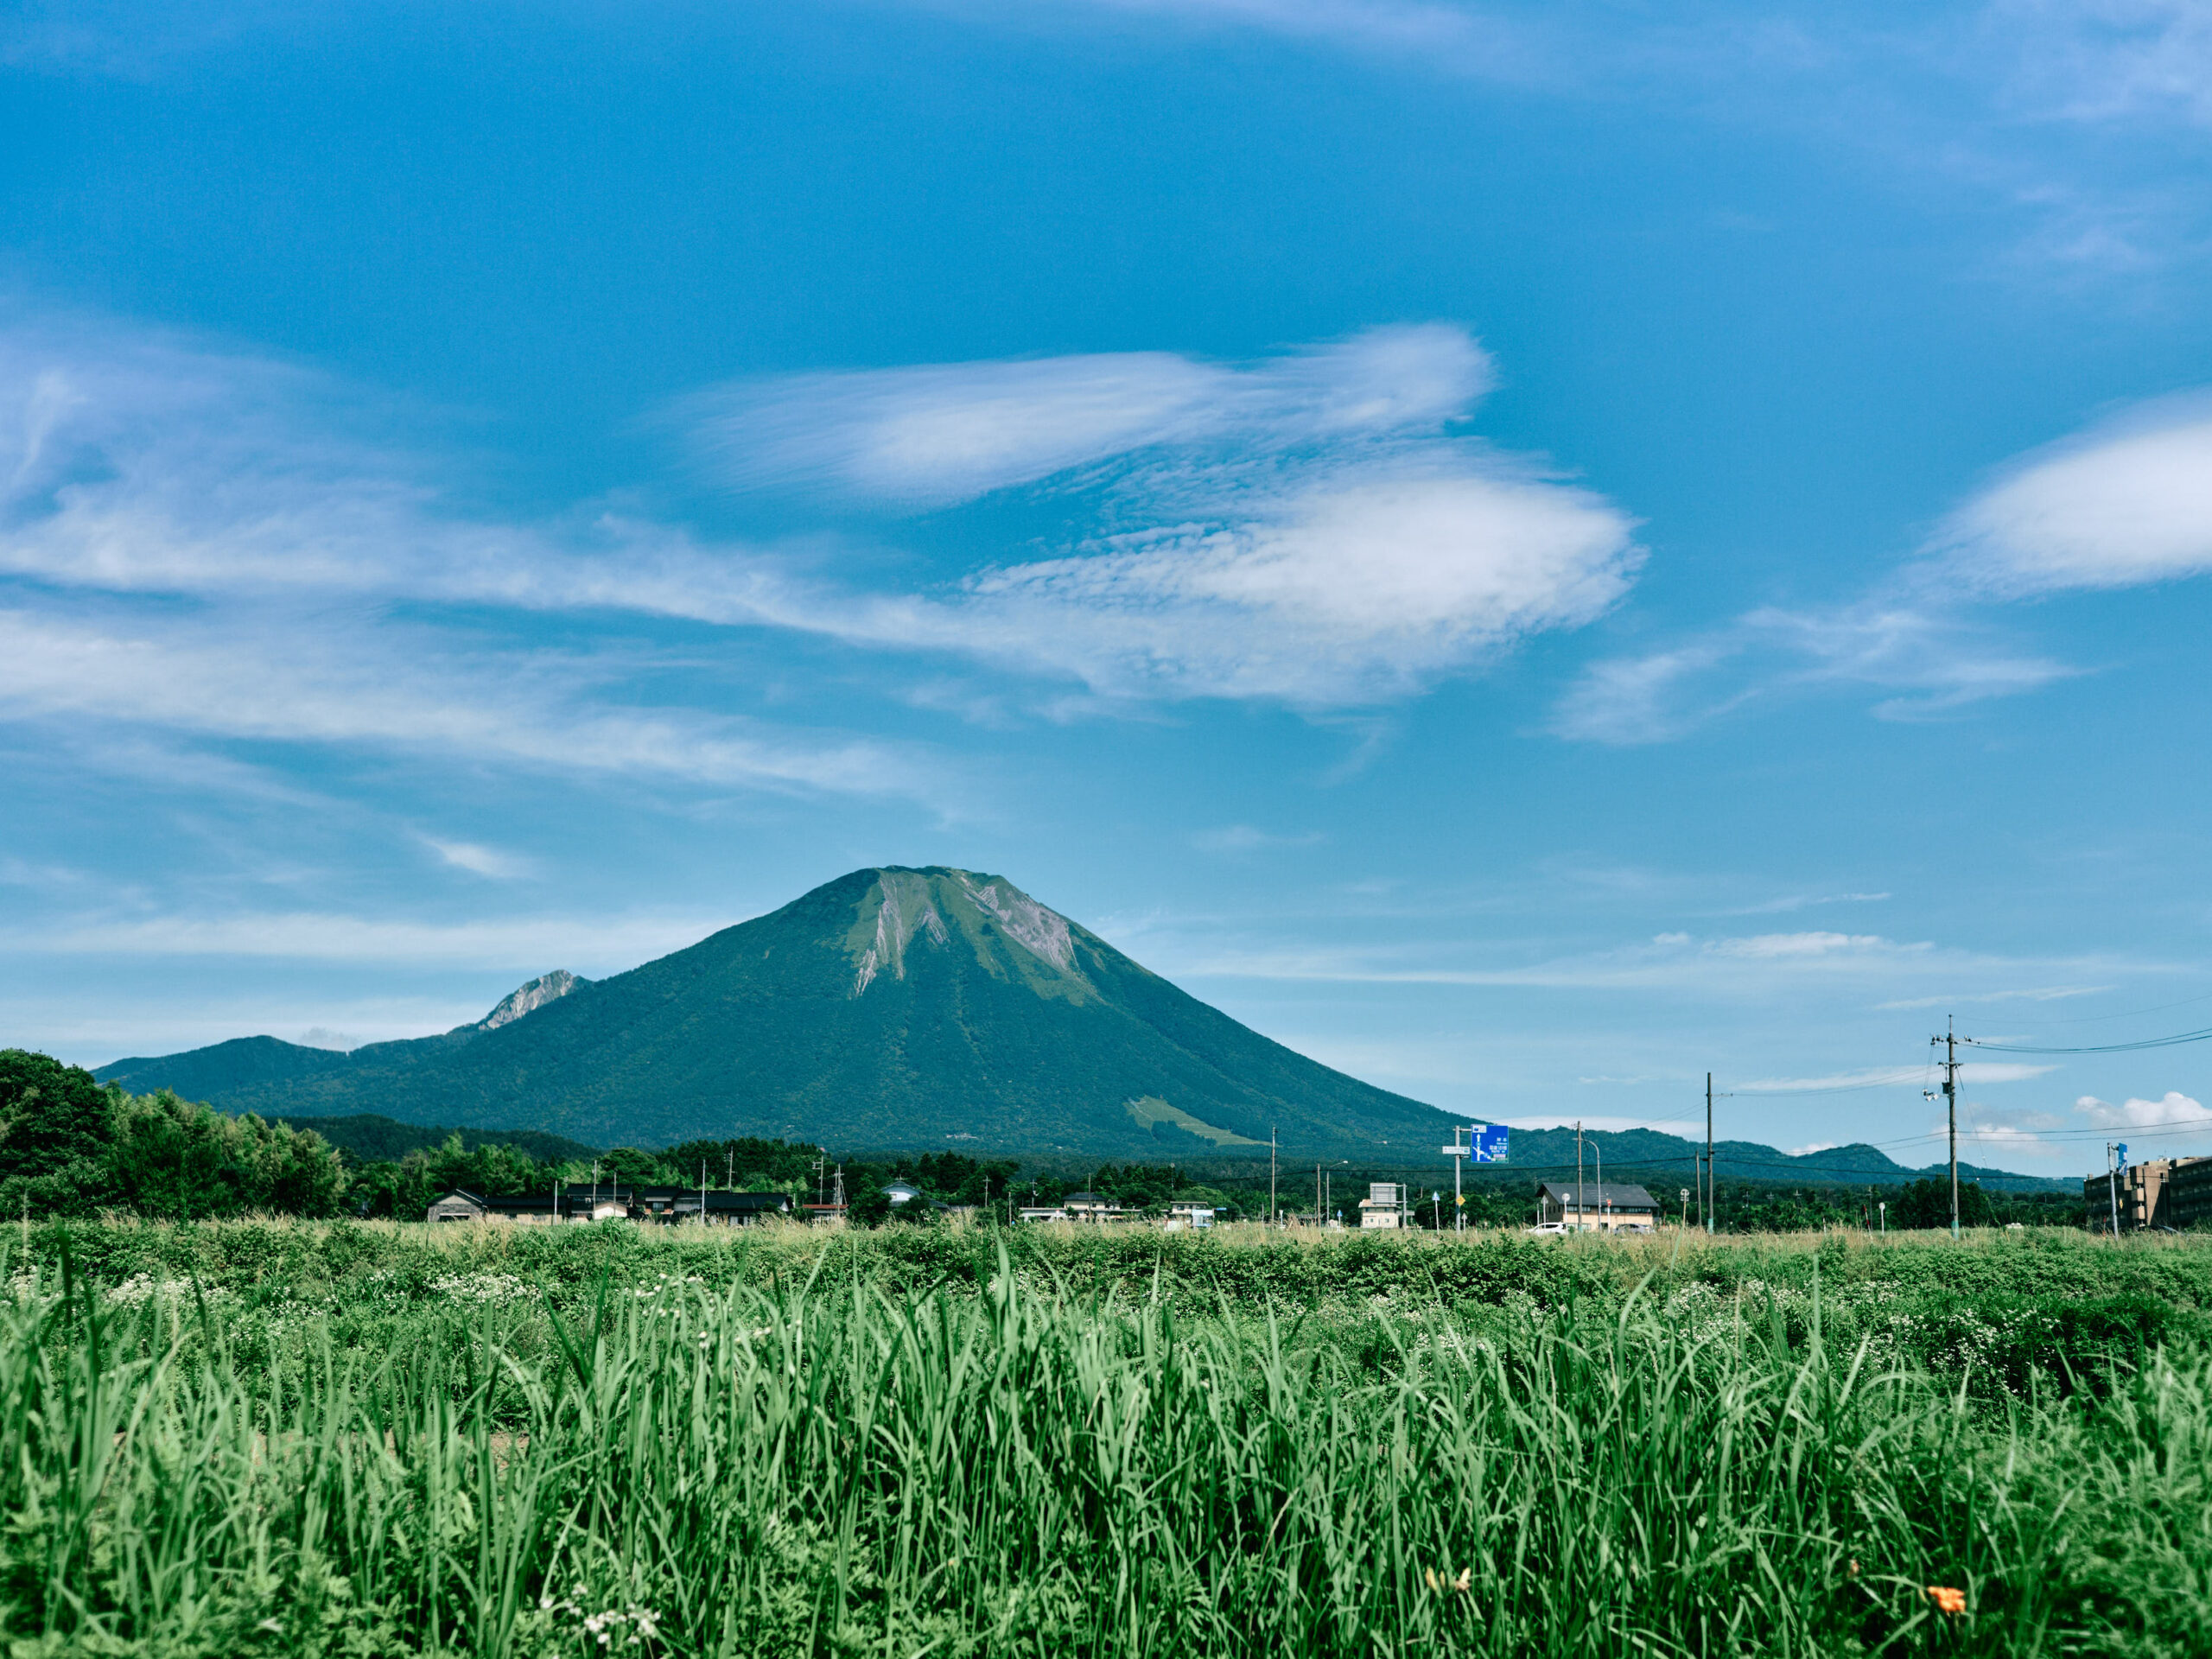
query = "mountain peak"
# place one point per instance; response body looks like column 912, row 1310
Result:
column 523, row 999
column 937, row 905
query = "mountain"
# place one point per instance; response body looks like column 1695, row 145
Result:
column 369, row 1137
column 1647, row 1156
column 902, row 1009
column 891, row 1009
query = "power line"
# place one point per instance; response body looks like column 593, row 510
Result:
column 2173, row 1041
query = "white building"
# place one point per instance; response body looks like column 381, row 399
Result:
column 1383, row 1206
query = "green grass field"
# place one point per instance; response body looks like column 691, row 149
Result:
column 291, row 1438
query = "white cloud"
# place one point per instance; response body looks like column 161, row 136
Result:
column 1244, row 838
column 948, row 432
column 1811, row 1148
column 1346, row 593
column 323, row 1037
column 2171, row 1108
column 479, row 859
column 1767, row 946
column 1301, row 530
column 278, row 683
column 2127, row 503
column 145, row 467
column 521, row 945
column 1889, row 1077
column 1932, row 665
column 2039, row 994
column 1807, row 901
column 2103, row 61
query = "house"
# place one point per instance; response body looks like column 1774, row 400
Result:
column 902, row 1192
column 722, row 1209
column 2145, row 1194
column 1595, row 1206
column 605, row 1203
column 458, row 1206
column 1187, row 1214
column 1094, row 1207
column 608, row 1202
column 1381, row 1207
column 1042, row 1212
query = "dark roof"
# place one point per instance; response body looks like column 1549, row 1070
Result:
column 1086, row 1198
column 1618, row 1195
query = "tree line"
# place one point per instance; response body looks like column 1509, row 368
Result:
column 72, row 1146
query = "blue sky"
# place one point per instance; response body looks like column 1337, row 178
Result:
column 1529, row 553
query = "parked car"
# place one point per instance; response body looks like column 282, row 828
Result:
column 1549, row 1228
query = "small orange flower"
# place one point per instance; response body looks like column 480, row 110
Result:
column 1947, row 1599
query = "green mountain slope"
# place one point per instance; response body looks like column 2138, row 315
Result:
column 894, row 1007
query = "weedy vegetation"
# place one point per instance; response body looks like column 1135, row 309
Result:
column 292, row 1438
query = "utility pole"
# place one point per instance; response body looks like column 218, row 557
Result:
column 1950, row 1042
column 1271, row 1174
column 1706, row 1206
column 702, row 1193
column 1603, row 1209
column 2113, row 1151
column 1319, row 1215
column 1578, row 1175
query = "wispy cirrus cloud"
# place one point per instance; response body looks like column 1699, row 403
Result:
column 1889, row 1077
column 147, row 470
column 1301, row 530
column 1304, row 529
column 524, row 944
column 941, row 433
column 1885, row 646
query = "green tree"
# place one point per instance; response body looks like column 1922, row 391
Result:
column 55, row 1122
column 1927, row 1203
column 177, row 1157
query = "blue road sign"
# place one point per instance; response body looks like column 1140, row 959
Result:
column 1490, row 1143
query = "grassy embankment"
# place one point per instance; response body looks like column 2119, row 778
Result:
column 304, row 1438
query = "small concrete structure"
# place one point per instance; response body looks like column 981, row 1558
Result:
column 1185, row 1216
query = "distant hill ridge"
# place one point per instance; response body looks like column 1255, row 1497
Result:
column 893, row 1010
